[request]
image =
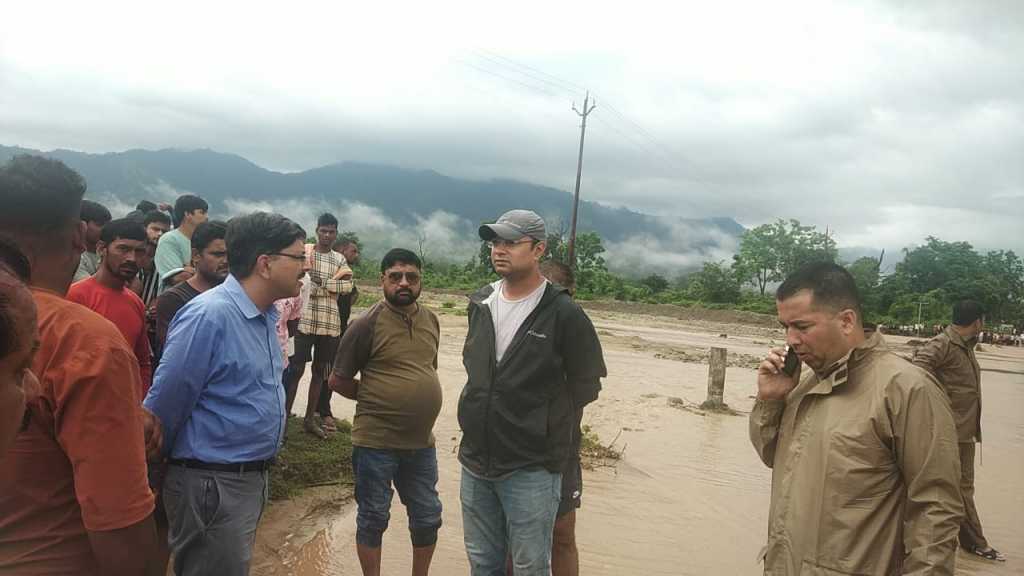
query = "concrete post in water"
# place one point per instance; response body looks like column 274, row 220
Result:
column 716, row 379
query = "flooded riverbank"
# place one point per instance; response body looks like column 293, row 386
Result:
column 689, row 496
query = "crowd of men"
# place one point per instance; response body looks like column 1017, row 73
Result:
column 146, row 375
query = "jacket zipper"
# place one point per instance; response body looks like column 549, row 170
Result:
column 484, row 309
column 496, row 366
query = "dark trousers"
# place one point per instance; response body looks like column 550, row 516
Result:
column 212, row 519
column 971, row 535
column 323, row 405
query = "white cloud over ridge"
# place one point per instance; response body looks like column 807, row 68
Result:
column 646, row 253
column 440, row 235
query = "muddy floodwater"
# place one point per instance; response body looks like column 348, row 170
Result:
column 689, row 496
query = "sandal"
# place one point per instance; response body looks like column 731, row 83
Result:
column 329, row 424
column 310, row 426
column 989, row 553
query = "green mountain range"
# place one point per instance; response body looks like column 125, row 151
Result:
column 405, row 196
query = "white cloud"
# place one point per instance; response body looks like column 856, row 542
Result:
column 440, row 235
column 646, row 253
column 836, row 113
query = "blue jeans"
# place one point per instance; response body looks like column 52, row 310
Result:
column 414, row 474
column 515, row 514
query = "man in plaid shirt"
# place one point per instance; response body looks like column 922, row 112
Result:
column 320, row 326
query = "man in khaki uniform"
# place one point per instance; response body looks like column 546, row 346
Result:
column 950, row 358
column 863, row 447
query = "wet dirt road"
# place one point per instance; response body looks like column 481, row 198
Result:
column 690, row 495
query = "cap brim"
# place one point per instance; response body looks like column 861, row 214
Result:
column 504, row 231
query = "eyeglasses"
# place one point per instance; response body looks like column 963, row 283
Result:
column 508, row 244
column 410, row 277
column 296, row 257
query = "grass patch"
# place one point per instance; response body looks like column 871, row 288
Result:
column 593, row 453
column 307, row 461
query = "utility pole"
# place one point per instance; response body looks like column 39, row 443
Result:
column 587, row 109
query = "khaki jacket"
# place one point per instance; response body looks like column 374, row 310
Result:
column 951, row 360
column 866, row 471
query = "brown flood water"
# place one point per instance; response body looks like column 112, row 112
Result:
column 689, row 496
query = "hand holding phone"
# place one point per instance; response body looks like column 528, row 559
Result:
column 792, row 361
column 777, row 374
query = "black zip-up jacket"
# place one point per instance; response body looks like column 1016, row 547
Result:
column 520, row 413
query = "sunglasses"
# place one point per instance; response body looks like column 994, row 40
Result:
column 410, row 277
column 508, row 244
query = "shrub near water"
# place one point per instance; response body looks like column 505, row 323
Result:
column 306, row 460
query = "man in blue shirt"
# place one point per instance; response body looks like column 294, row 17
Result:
column 218, row 394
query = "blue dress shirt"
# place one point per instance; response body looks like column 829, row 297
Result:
column 217, row 389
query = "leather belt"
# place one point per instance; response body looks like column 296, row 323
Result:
column 237, row 467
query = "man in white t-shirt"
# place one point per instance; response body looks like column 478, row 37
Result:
column 533, row 361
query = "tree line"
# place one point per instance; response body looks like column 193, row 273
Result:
column 921, row 288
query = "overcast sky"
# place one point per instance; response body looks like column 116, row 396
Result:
column 885, row 122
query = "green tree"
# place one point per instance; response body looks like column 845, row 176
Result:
column 770, row 252
column 757, row 260
column 714, row 283
column 956, row 271
column 656, row 282
column 351, row 237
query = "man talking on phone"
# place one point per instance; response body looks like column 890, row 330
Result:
column 865, row 467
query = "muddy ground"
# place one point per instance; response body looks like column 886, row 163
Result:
column 689, row 495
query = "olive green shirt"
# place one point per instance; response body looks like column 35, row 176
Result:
column 951, row 360
column 399, row 394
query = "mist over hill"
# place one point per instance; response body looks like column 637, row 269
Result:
column 391, row 206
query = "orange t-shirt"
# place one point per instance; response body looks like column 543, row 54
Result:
column 80, row 465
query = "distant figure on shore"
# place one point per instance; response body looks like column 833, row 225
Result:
column 533, row 361
column 565, row 557
column 320, row 325
column 950, row 358
column 73, row 492
column 393, row 348
column 350, row 250
column 19, row 336
column 122, row 245
column 217, row 392
column 95, row 216
column 865, row 470
column 174, row 250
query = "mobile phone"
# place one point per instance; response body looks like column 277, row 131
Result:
column 792, row 361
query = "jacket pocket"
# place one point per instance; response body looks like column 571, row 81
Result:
column 861, row 470
column 529, row 425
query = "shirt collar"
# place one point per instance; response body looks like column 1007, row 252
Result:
column 234, row 290
column 839, row 372
column 959, row 340
column 394, row 309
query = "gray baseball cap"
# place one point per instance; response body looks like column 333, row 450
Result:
column 515, row 225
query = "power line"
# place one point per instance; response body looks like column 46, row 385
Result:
column 643, row 131
column 556, row 85
column 571, row 86
column 506, row 78
column 631, row 139
column 638, row 136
